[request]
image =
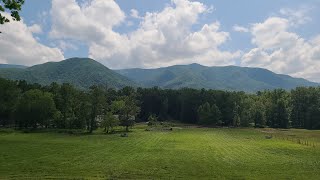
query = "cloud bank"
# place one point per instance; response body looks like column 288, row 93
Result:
column 162, row 38
column 282, row 51
column 20, row 46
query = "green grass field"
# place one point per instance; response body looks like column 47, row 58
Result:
column 184, row 153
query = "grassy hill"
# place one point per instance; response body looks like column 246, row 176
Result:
column 184, row 153
column 224, row 78
column 81, row 72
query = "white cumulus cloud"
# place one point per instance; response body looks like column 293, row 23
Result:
column 135, row 14
column 19, row 46
column 283, row 51
column 162, row 38
column 296, row 17
column 238, row 28
column 35, row 28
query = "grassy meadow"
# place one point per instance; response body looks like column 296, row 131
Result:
column 184, row 153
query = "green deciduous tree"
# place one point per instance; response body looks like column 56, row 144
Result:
column 79, row 109
column 209, row 115
column 152, row 120
column 127, row 110
column 258, row 113
column 35, row 109
column 109, row 121
column 236, row 115
column 9, row 94
column 98, row 105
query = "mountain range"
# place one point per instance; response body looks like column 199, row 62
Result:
column 81, row 72
column 85, row 72
column 6, row 66
column 224, row 78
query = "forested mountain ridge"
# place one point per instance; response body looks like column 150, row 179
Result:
column 81, row 72
column 85, row 72
column 7, row 66
column 222, row 78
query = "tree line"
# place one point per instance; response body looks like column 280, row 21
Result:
column 24, row 106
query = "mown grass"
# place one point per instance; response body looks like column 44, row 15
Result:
column 185, row 153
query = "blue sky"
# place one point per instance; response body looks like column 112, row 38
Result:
column 280, row 35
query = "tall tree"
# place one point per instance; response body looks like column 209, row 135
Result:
column 9, row 94
column 283, row 113
column 98, row 105
column 35, row 108
column 236, row 115
column 66, row 103
column 205, row 114
column 109, row 121
column 258, row 113
column 299, row 97
column 190, row 101
column 209, row 115
column 126, row 109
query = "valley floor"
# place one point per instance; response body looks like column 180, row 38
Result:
column 184, row 153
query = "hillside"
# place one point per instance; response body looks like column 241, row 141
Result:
column 224, row 78
column 85, row 72
column 81, row 72
column 6, row 66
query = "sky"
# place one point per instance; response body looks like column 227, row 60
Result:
column 280, row 35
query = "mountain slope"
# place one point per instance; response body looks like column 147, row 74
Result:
column 81, row 72
column 224, row 78
column 7, row 66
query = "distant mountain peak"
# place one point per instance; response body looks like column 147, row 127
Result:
column 196, row 64
column 81, row 72
column 79, row 59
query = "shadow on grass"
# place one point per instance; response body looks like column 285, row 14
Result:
column 70, row 132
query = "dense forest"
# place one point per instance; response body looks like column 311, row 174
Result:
column 31, row 106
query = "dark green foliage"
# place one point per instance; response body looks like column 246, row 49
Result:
column 9, row 94
column 152, row 120
column 109, row 121
column 245, row 104
column 72, row 104
column 126, row 108
column 305, row 108
column 84, row 73
column 277, row 108
column 10, row 66
column 98, row 105
column 76, row 109
column 67, row 103
column 236, row 116
column 258, row 113
column 80, row 72
column 154, row 101
column 209, row 115
column 35, row 109
column 190, row 100
column 224, row 78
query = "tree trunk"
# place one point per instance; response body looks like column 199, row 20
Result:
column 91, row 126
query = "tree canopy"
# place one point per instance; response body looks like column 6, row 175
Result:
column 63, row 106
